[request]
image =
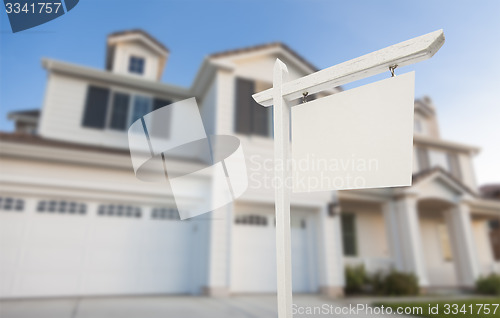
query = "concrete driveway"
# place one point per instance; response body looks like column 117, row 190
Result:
column 169, row 307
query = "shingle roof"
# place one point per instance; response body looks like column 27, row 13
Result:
column 40, row 141
column 30, row 113
column 261, row 47
column 142, row 32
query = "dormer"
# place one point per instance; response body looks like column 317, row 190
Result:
column 136, row 53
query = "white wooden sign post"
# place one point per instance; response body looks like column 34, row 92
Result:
column 280, row 95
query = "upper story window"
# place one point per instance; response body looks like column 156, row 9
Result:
column 136, row 65
column 116, row 110
column 449, row 161
column 251, row 119
column 142, row 106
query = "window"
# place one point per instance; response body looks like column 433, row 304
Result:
column 349, row 234
column 251, row 118
column 423, row 158
column 454, row 165
column 96, row 107
column 159, row 103
column 119, row 111
column 124, row 109
column 126, row 211
column 251, row 219
column 136, row 65
column 61, row 206
column 11, row 204
column 444, row 239
column 142, row 106
column 165, row 214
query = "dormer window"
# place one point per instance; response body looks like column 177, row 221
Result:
column 136, row 65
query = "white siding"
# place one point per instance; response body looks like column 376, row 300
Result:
column 208, row 109
column 64, row 108
column 124, row 51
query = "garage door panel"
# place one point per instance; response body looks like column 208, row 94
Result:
column 11, row 229
column 46, row 284
column 105, row 259
column 110, row 282
column 52, row 259
column 164, row 281
column 49, row 231
column 9, row 257
column 254, row 252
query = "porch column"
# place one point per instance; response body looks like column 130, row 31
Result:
column 410, row 238
column 332, row 280
column 465, row 256
column 393, row 232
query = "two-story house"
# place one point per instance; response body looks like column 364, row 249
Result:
column 74, row 220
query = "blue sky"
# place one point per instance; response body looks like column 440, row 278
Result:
column 462, row 78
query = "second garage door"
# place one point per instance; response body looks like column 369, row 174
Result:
column 253, row 254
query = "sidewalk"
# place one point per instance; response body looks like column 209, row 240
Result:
column 170, row 307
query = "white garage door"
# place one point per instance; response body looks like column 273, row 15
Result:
column 64, row 248
column 254, row 251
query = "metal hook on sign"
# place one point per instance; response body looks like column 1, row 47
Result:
column 304, row 97
column 392, row 68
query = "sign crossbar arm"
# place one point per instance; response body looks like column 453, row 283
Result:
column 405, row 53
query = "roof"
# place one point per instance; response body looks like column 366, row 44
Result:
column 160, row 88
column 29, row 113
column 261, row 47
column 490, row 191
column 40, row 141
column 437, row 142
column 141, row 32
column 25, row 116
column 421, row 175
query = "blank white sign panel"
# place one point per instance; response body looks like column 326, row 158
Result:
column 360, row 138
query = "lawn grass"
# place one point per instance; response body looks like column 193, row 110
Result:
column 454, row 311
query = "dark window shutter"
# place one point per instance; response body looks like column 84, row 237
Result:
column 244, row 115
column 423, row 159
column 251, row 118
column 96, row 106
column 159, row 103
column 260, row 119
column 119, row 112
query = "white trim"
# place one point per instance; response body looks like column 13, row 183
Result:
column 115, row 79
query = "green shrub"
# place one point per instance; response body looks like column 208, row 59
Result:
column 395, row 284
column 356, row 279
column 489, row 285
